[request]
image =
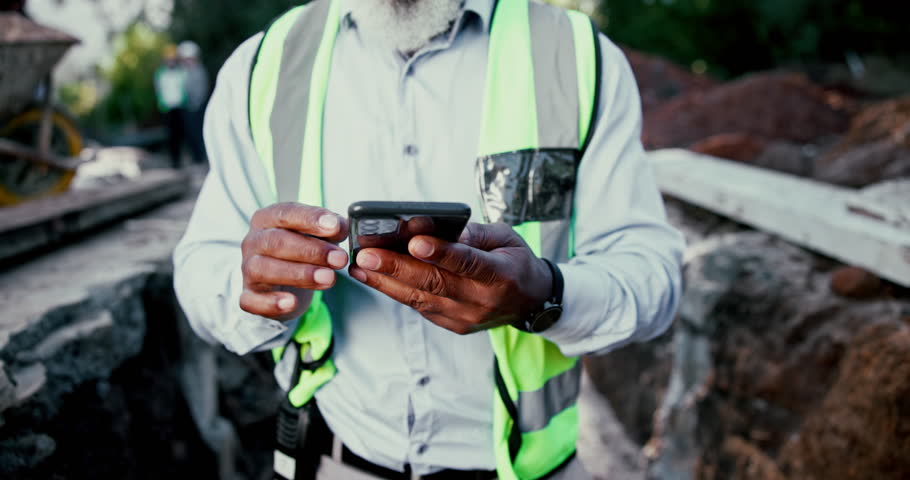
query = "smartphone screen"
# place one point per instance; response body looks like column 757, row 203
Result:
column 391, row 225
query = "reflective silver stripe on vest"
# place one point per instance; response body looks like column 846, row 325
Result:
column 554, row 240
column 555, row 77
column 556, row 86
column 288, row 120
column 555, row 81
column 535, row 409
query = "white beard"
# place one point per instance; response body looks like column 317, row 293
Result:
column 403, row 25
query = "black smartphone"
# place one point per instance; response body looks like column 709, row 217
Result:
column 391, row 225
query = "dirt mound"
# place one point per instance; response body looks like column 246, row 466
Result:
column 876, row 147
column 763, row 355
column 660, row 80
column 768, row 106
column 733, row 146
column 862, row 429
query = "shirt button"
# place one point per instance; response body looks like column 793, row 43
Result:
column 423, row 381
column 422, row 449
column 410, row 149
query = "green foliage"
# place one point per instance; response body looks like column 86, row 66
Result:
column 124, row 95
column 219, row 26
column 130, row 99
column 737, row 36
column 78, row 97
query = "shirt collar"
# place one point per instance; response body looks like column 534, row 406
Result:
column 483, row 9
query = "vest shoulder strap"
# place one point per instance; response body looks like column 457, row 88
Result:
column 567, row 75
column 255, row 62
column 289, row 75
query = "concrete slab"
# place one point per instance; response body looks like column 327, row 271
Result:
column 809, row 213
column 44, row 222
column 77, row 312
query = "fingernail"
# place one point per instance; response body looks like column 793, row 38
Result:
column 368, row 261
column 421, row 248
column 359, row 274
column 285, row 303
column 338, row 259
column 324, row 276
column 328, row 222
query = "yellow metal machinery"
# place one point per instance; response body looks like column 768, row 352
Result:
column 39, row 145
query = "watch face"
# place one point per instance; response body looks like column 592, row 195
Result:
column 546, row 319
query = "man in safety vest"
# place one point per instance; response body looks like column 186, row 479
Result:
column 443, row 363
column 170, row 91
column 197, row 93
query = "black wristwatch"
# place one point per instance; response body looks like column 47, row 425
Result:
column 552, row 307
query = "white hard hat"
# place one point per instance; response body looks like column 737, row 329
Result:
column 188, row 49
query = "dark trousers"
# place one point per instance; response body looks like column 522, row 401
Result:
column 175, row 133
column 192, row 123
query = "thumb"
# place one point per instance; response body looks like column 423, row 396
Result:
column 489, row 237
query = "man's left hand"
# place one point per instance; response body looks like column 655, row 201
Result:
column 488, row 279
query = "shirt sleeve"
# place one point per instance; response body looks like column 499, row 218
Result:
column 207, row 275
column 624, row 283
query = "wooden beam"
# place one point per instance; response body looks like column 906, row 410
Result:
column 812, row 214
column 9, row 147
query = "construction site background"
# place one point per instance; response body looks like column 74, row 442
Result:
column 779, row 132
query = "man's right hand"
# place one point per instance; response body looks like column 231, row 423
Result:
column 290, row 250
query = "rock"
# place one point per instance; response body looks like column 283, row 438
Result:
column 750, row 462
column 854, row 282
column 75, row 331
column 603, row 446
column 862, row 429
column 660, row 80
column 251, row 394
column 647, row 366
column 697, row 223
column 74, row 341
column 7, row 391
column 865, row 164
column 888, row 120
column 876, row 147
column 29, row 381
column 25, row 451
column 673, row 448
column 757, row 346
column 788, row 157
column 767, row 106
column 732, row 146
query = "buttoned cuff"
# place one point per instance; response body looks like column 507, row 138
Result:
column 242, row 332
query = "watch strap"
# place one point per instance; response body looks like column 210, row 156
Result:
column 558, row 283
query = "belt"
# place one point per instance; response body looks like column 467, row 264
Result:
column 351, row 459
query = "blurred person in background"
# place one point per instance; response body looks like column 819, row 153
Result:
column 458, row 360
column 197, row 94
column 171, row 90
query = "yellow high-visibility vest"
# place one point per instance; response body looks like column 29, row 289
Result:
column 528, row 121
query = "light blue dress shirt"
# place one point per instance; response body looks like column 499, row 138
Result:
column 408, row 391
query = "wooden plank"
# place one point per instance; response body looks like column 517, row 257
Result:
column 888, row 201
column 38, row 224
column 812, row 214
